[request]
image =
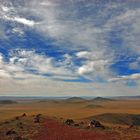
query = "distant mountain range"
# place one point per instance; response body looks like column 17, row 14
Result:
column 127, row 97
column 75, row 99
column 7, row 102
column 102, row 99
column 68, row 98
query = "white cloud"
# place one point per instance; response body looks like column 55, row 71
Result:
column 10, row 14
column 127, row 23
column 135, row 65
column 18, row 31
column 24, row 21
column 4, row 8
column 1, row 59
column 96, row 64
column 93, row 67
column 38, row 86
column 125, row 17
column 21, row 20
column 24, row 63
column 66, row 27
column 4, row 74
column 47, row 3
column 135, row 76
column 84, row 54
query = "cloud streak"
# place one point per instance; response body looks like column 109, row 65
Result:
column 125, row 78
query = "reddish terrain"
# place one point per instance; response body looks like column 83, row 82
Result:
column 54, row 130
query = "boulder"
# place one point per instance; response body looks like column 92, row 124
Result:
column 69, row 122
column 96, row 124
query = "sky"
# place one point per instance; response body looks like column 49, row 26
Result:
column 69, row 48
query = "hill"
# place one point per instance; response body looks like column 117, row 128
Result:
column 75, row 99
column 7, row 102
column 101, row 99
column 118, row 118
column 127, row 97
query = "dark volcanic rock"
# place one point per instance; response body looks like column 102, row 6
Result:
column 11, row 132
column 96, row 124
column 69, row 122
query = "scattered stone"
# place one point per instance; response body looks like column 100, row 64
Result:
column 37, row 118
column 96, row 124
column 18, row 138
column 133, row 127
column 69, row 122
column 81, row 123
column 88, row 127
column 17, row 118
column 24, row 115
column 11, row 132
column 20, row 125
column 119, row 127
column 76, row 125
column 6, row 122
column 38, row 115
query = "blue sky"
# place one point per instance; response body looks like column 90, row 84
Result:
column 79, row 47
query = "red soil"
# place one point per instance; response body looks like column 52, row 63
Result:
column 54, row 130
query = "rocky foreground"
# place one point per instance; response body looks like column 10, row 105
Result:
column 39, row 127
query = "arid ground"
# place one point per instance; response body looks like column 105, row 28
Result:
column 121, row 119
